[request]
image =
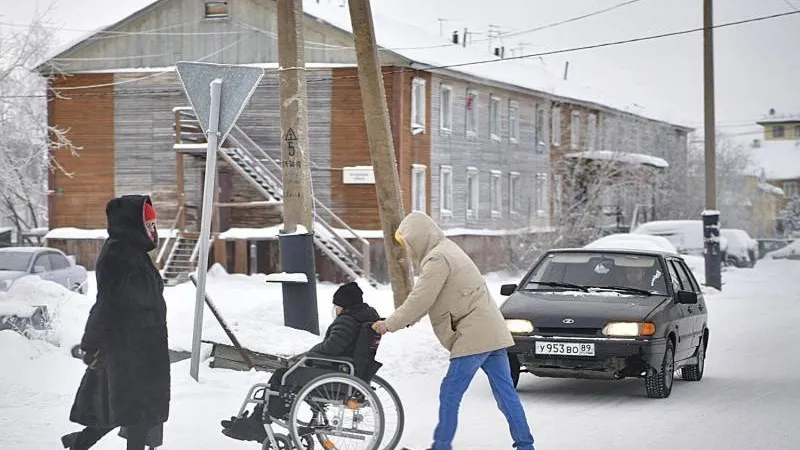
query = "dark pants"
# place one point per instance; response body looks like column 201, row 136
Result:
column 89, row 436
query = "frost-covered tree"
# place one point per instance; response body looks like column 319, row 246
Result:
column 790, row 217
column 28, row 144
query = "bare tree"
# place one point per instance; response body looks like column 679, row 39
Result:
column 27, row 144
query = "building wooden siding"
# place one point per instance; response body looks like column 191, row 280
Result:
column 79, row 196
column 357, row 203
column 456, row 149
column 249, row 35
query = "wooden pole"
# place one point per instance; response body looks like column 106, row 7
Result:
column 381, row 148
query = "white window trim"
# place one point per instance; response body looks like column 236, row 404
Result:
column 495, row 100
column 575, row 130
column 496, row 177
column 475, row 112
column 513, row 132
column 556, row 125
column 591, row 132
column 442, row 127
column 541, row 211
column 417, row 127
column 415, row 170
column 512, row 192
column 473, row 173
column 445, row 212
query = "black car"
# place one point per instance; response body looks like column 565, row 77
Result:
column 608, row 314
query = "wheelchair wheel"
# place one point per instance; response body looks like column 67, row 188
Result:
column 393, row 413
column 283, row 441
column 339, row 411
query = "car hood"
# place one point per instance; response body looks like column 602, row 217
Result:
column 587, row 310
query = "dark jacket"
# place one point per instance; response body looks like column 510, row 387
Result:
column 342, row 334
column 128, row 324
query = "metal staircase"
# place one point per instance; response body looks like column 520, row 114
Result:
column 182, row 258
column 331, row 233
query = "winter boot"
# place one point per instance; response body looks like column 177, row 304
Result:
column 68, row 440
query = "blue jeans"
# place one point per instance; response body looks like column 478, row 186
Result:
column 459, row 376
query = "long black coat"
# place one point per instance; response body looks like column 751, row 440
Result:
column 128, row 324
column 342, row 334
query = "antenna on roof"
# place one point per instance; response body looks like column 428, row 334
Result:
column 772, row 111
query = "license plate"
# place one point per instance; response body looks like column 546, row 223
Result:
column 564, row 348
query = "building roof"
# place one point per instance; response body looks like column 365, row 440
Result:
column 426, row 52
column 777, row 160
column 782, row 118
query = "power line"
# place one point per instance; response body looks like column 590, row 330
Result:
column 791, row 5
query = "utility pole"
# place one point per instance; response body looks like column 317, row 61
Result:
column 381, row 146
column 297, row 237
column 713, row 257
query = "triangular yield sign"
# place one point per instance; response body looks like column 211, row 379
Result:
column 238, row 85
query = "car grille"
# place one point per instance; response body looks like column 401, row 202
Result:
column 570, row 331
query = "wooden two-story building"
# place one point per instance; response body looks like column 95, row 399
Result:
column 475, row 141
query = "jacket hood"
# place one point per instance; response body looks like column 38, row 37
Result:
column 363, row 313
column 421, row 235
column 125, row 217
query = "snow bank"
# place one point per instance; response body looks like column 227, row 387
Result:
column 791, row 250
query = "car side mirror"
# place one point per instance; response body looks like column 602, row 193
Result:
column 38, row 269
column 508, row 289
column 687, row 298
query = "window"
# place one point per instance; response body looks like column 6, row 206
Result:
column 472, row 113
column 591, row 132
column 419, row 197
column 473, row 191
column 539, row 138
column 556, row 121
column 688, row 281
column 494, row 118
column 513, row 192
column 446, row 108
column 58, row 262
column 496, row 193
column 778, row 131
column 513, row 122
column 542, row 199
column 575, row 130
column 216, row 10
column 446, row 191
column 797, row 131
column 42, row 264
column 418, row 105
column 790, row 188
column 673, row 274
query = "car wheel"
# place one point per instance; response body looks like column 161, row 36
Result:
column 513, row 361
column 694, row 372
column 659, row 382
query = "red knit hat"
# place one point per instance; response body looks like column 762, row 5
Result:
column 149, row 212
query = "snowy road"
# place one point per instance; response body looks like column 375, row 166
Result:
column 747, row 400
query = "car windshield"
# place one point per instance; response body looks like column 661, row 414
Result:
column 597, row 271
column 16, row 261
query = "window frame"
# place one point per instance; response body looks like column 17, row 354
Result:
column 474, row 195
column 418, row 104
column 446, row 128
column 496, row 194
column 591, row 132
column 797, row 132
column 445, row 212
column 790, row 186
column 555, row 125
column 217, row 16
column 513, row 126
column 419, row 189
column 472, row 115
column 575, row 129
column 776, row 134
column 541, row 191
column 494, row 118
column 513, row 193
column 60, row 259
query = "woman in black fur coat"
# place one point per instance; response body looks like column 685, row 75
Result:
column 127, row 381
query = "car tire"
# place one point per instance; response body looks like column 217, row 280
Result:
column 659, row 383
column 513, row 361
column 694, row 372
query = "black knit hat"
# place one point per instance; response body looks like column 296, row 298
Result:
column 348, row 295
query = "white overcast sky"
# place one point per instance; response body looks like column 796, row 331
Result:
column 757, row 64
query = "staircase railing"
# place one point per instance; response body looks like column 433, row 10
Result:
column 163, row 250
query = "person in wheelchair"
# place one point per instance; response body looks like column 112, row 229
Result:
column 341, row 339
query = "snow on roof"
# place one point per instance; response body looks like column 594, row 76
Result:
column 631, row 158
column 779, row 160
column 774, row 190
column 432, row 53
column 783, row 118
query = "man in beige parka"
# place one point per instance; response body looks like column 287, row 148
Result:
column 467, row 322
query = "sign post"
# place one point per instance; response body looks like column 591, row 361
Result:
column 218, row 94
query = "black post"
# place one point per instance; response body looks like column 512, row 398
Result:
column 299, row 299
column 713, row 255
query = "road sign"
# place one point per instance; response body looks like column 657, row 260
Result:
column 238, row 85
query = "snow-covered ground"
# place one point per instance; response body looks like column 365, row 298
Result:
column 747, row 399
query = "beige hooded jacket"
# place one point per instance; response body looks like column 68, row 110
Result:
column 451, row 290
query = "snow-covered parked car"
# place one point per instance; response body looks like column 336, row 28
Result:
column 685, row 235
column 629, row 241
column 47, row 263
column 791, row 251
column 742, row 249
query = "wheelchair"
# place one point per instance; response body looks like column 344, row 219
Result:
column 330, row 402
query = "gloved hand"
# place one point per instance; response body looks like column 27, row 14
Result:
column 92, row 358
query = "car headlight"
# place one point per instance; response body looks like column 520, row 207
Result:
column 629, row 329
column 519, row 326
